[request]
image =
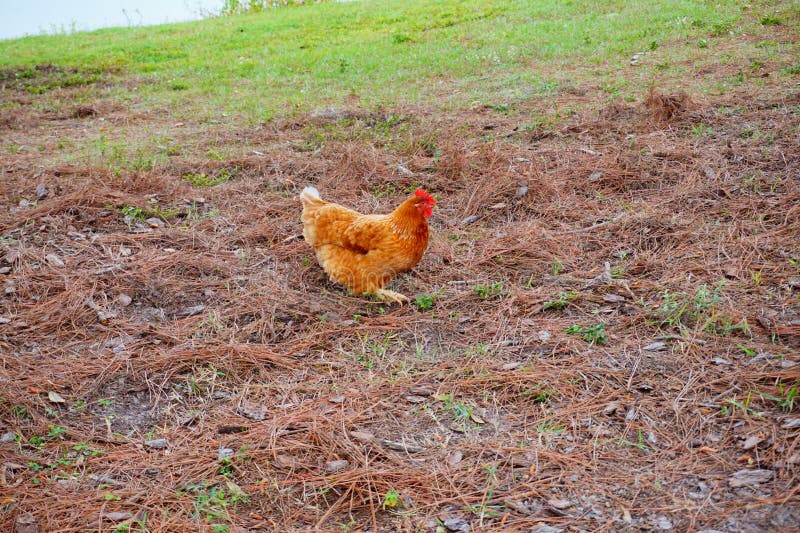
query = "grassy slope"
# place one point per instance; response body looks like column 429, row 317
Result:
column 396, row 52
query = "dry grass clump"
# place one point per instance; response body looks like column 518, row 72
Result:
column 665, row 108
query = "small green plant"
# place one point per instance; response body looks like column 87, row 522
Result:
column 539, row 393
column 212, row 503
column 699, row 311
column 399, row 38
column 425, row 301
column 556, row 267
column 225, row 468
column 720, row 28
column 85, row 450
column 548, row 426
column 563, row 299
column 639, row 444
column 770, row 20
column 701, row 130
column 702, row 43
column 56, row 431
column 594, row 334
column 135, row 213
column 391, row 499
column 748, row 351
column 788, row 396
column 784, row 400
column 489, row 292
column 461, row 412
column 203, row 180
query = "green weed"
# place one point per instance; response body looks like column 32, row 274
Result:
column 212, row 503
column 549, row 427
column 594, row 334
column 639, row 444
column 701, row 130
column 491, row 291
column 425, row 301
column 680, row 311
column 391, row 499
column 563, row 299
column 203, row 180
column 135, row 213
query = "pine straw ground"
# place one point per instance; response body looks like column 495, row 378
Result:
column 664, row 221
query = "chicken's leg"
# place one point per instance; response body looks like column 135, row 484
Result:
column 390, row 296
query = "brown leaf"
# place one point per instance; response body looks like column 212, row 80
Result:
column 706, row 449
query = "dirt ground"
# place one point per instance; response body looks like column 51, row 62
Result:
column 605, row 339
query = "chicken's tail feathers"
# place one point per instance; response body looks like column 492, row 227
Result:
column 310, row 195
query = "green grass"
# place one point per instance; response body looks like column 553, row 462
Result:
column 279, row 61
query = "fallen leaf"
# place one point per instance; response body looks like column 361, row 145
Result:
column 54, row 260
column 626, row 516
column 254, row 412
column 285, row 461
column 456, row 524
column 26, row 523
column 401, row 446
column 117, row 516
column 362, row 436
column 752, row 442
column 411, row 398
column 791, row 423
column 34, row 390
column 55, row 397
column 455, row 458
column 655, row 347
column 559, row 504
column 746, row 458
column 746, row 478
column 470, row 219
column 707, row 449
column 611, row 408
column 157, row 444
column 332, row 467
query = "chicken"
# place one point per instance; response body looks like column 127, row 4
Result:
column 364, row 252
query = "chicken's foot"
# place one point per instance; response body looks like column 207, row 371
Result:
column 390, row 296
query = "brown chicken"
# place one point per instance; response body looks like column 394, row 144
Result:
column 364, row 252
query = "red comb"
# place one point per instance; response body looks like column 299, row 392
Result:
column 422, row 193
